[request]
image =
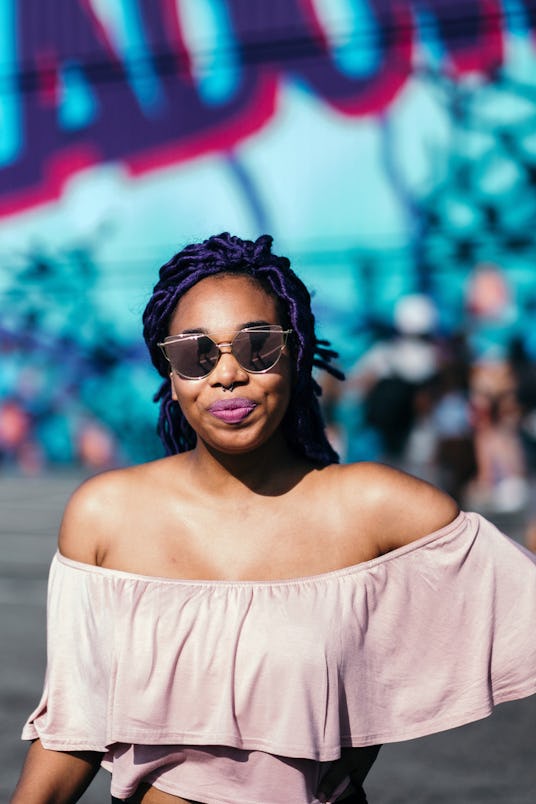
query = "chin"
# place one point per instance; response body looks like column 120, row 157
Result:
column 240, row 442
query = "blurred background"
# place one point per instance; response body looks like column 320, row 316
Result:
column 390, row 149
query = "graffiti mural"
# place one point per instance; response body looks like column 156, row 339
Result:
column 120, row 81
column 381, row 142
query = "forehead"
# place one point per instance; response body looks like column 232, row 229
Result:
column 224, row 302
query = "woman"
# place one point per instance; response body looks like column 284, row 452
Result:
column 246, row 620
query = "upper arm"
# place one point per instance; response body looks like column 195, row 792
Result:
column 91, row 517
column 400, row 508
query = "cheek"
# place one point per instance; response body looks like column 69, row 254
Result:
column 280, row 391
column 182, row 391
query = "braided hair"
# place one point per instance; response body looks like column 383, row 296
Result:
column 302, row 424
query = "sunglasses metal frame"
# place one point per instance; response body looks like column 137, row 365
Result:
column 228, row 344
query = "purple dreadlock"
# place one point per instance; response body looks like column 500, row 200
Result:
column 302, row 424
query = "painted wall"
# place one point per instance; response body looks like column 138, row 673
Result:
column 388, row 146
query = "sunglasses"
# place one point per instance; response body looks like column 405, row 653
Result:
column 195, row 356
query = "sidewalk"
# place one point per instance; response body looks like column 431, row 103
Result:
column 493, row 760
column 30, row 513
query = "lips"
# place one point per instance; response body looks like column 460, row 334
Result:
column 232, row 411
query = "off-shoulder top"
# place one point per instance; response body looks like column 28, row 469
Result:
column 225, row 691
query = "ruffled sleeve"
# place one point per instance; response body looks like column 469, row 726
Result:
column 425, row 638
column 450, row 634
column 74, row 708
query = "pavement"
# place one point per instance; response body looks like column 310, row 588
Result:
column 493, row 760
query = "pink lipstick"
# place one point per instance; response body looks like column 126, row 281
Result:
column 232, row 411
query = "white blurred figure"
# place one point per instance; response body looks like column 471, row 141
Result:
column 394, row 379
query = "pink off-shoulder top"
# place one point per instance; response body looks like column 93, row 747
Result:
column 238, row 692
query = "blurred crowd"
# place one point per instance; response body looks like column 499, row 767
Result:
column 457, row 408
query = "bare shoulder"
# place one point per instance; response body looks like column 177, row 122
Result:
column 103, row 507
column 395, row 508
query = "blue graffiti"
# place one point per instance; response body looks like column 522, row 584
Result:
column 10, row 115
column 135, row 81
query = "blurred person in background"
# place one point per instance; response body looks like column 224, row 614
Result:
column 95, row 446
column 18, row 448
column 524, row 368
column 395, row 379
column 451, row 416
column 246, row 619
column 330, row 401
column 500, row 482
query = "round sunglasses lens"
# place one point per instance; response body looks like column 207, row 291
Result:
column 193, row 357
column 258, row 350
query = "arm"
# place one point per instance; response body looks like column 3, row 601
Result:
column 407, row 509
column 55, row 777
column 96, row 517
column 88, row 520
column 392, row 507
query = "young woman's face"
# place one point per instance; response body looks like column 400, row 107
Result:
column 244, row 418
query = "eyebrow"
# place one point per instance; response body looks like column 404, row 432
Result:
column 201, row 331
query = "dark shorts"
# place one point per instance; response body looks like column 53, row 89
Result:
column 358, row 797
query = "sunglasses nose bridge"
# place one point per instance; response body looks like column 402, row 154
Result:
column 227, row 371
column 225, row 345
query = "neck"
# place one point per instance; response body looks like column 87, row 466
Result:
column 272, row 468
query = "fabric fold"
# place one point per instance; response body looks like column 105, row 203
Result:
column 422, row 639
